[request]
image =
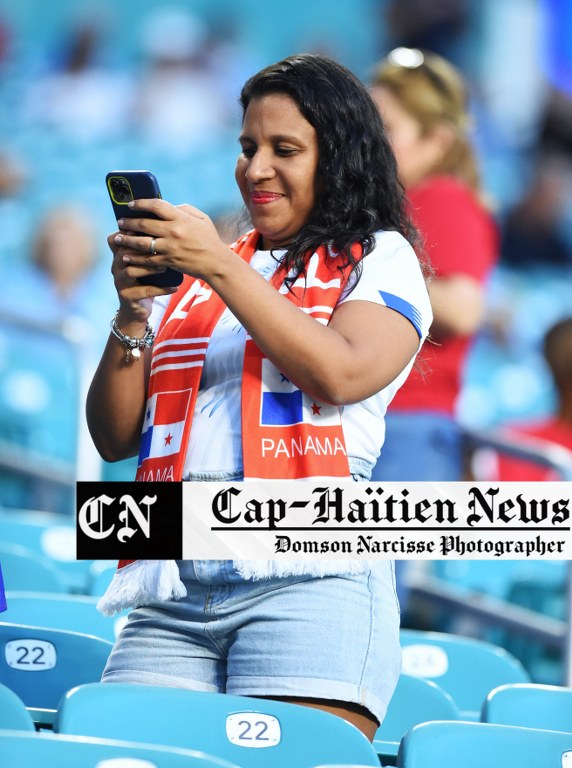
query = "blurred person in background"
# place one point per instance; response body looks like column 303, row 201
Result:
column 79, row 94
column 436, row 26
column 555, row 429
column 178, row 100
column 12, row 174
column 64, row 276
column 533, row 232
column 424, row 105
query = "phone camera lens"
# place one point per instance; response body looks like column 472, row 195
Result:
column 121, row 190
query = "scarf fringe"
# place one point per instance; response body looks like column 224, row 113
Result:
column 140, row 583
column 151, row 581
column 268, row 569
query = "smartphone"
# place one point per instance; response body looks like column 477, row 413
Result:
column 124, row 186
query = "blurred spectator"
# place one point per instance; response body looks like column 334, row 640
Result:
column 427, row 24
column 12, row 174
column 5, row 40
column 556, row 122
column 178, row 101
column 63, row 278
column 423, row 102
column 532, row 230
column 81, row 97
column 555, row 429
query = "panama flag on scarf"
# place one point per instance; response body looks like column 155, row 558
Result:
column 283, row 404
column 161, row 435
column 2, row 593
column 293, row 431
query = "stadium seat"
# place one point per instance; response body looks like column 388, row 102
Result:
column 40, row 665
column 50, row 535
column 474, row 745
column 464, row 667
column 50, row 750
column 530, row 706
column 24, row 569
column 414, row 701
column 13, row 712
column 100, row 574
column 255, row 733
column 76, row 613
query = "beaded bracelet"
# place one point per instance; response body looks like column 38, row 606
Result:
column 133, row 345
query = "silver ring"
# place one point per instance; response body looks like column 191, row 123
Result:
column 152, row 250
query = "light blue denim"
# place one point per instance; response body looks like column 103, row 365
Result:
column 330, row 637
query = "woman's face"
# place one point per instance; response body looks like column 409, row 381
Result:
column 276, row 170
column 416, row 153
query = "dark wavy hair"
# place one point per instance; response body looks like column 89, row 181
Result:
column 359, row 189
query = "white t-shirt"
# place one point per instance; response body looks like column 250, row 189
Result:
column 391, row 276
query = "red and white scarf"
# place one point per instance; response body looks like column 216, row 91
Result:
column 285, row 433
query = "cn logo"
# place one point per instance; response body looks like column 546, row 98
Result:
column 90, row 517
column 129, row 521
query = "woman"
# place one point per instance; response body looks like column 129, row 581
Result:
column 423, row 103
column 318, row 178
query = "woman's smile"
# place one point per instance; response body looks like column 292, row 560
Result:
column 260, row 197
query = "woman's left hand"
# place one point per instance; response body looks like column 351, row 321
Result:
column 182, row 237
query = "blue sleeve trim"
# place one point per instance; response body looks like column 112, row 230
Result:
column 404, row 308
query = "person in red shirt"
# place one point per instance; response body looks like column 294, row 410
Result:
column 555, row 429
column 423, row 102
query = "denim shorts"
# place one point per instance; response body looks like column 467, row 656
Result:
column 330, row 637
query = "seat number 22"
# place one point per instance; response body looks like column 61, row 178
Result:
column 253, row 729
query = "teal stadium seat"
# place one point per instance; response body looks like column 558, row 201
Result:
column 530, row 706
column 414, row 701
column 464, row 667
column 76, row 613
column 24, row 569
column 100, row 574
column 474, row 745
column 53, row 537
column 50, row 750
column 40, row 665
column 255, row 733
column 13, row 712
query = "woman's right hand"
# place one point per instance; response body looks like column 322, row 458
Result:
column 135, row 299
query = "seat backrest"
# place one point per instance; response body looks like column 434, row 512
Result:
column 13, row 712
column 464, row 667
column 474, row 745
column 40, row 665
column 414, row 701
column 50, row 750
column 530, row 706
column 50, row 535
column 254, row 733
column 76, row 613
column 24, row 569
